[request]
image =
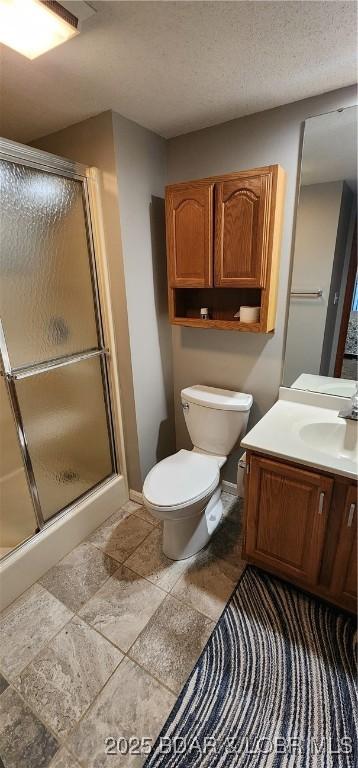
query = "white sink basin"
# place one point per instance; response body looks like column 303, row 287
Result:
column 338, row 439
column 305, row 427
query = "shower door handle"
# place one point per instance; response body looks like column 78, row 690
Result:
column 12, row 374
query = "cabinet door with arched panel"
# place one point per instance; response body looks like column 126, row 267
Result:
column 243, row 207
column 189, row 213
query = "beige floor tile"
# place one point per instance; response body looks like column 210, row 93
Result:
column 146, row 515
column 228, row 501
column 130, row 506
column 149, row 560
column 133, row 508
column 131, row 704
column 121, row 534
column 63, row 680
column 106, row 530
column 3, row 684
column 24, row 741
column 63, row 759
column 163, row 634
column 27, row 625
column 233, row 506
column 226, row 543
column 78, row 576
column 228, row 549
column 122, row 608
column 206, row 585
column 171, row 643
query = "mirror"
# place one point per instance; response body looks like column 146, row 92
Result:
column 321, row 345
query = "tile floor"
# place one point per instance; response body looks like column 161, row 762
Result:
column 102, row 645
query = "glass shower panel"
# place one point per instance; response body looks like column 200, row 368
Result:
column 46, row 291
column 17, row 516
column 65, row 421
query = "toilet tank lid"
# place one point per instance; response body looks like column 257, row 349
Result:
column 220, row 399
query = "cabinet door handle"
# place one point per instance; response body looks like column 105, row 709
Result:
column 321, row 502
column 352, row 509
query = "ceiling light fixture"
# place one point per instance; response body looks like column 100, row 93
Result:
column 33, row 27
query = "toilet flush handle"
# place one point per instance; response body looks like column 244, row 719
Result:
column 185, row 407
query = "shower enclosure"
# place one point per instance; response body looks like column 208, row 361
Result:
column 57, row 435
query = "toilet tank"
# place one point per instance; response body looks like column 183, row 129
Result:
column 215, row 418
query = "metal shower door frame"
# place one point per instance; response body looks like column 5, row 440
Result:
column 43, row 161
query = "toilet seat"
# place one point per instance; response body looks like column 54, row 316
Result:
column 181, row 480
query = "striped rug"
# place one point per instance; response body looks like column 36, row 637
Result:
column 275, row 686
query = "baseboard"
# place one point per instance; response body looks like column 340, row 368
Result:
column 226, row 486
column 229, row 487
column 26, row 564
column 136, row 496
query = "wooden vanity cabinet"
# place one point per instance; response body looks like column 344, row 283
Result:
column 302, row 525
column 223, row 234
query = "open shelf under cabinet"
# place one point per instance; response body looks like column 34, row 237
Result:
column 222, row 303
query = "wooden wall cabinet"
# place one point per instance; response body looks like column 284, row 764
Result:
column 223, row 233
column 242, row 210
column 301, row 524
column 189, row 211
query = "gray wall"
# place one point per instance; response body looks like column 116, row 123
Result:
column 141, row 175
column 250, row 363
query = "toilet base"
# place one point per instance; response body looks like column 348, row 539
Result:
column 184, row 538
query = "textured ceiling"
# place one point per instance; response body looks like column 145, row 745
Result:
column 178, row 66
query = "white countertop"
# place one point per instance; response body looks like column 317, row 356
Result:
column 305, row 428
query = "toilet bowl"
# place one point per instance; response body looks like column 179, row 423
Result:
column 184, row 490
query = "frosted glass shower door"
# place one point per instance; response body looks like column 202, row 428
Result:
column 47, row 305
column 64, row 413
column 51, row 335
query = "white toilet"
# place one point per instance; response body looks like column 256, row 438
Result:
column 184, row 490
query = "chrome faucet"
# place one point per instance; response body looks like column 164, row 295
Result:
column 352, row 411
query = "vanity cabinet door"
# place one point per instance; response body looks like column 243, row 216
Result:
column 242, row 219
column 286, row 516
column 189, row 209
column 344, row 577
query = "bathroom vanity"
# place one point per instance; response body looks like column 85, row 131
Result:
column 301, row 485
column 301, row 495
